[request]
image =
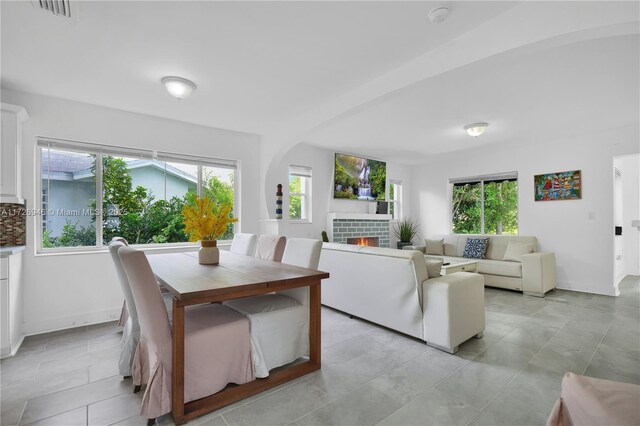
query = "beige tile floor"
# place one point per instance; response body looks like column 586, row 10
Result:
column 370, row 375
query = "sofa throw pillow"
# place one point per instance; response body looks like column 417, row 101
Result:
column 435, row 247
column 475, row 248
column 434, row 266
column 516, row 249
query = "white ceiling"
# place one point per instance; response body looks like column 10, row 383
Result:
column 570, row 90
column 256, row 64
column 260, row 65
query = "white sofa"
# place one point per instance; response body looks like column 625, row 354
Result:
column 391, row 288
column 534, row 275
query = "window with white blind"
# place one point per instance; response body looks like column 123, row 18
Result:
column 485, row 204
column 300, row 193
column 395, row 199
column 91, row 193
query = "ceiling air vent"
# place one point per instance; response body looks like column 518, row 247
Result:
column 57, row 7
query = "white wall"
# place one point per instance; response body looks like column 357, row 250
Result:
column 629, row 166
column 579, row 231
column 321, row 161
column 61, row 291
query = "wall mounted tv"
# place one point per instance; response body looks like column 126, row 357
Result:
column 357, row 178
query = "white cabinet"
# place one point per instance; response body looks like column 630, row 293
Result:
column 10, row 151
column 10, row 302
column 11, row 257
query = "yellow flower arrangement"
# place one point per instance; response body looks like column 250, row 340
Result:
column 206, row 220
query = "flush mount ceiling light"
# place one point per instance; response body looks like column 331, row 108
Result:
column 439, row 14
column 178, row 87
column 476, row 129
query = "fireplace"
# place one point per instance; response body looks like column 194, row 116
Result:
column 341, row 226
column 364, row 241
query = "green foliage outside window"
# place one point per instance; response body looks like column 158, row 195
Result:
column 133, row 213
column 72, row 236
column 295, row 201
column 222, row 193
column 500, row 208
column 117, row 187
column 159, row 222
column 466, row 209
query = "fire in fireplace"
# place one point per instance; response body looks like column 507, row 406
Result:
column 364, row 241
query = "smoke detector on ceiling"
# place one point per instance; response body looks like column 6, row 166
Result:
column 439, row 14
column 57, row 7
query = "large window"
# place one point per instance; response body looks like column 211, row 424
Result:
column 91, row 193
column 485, row 204
column 395, row 199
column 300, row 193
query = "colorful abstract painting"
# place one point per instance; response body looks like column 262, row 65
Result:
column 558, row 186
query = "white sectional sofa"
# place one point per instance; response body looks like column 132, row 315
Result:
column 534, row 275
column 391, row 288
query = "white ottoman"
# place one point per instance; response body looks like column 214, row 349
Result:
column 453, row 307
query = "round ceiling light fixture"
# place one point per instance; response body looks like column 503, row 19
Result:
column 178, row 87
column 476, row 129
column 439, row 14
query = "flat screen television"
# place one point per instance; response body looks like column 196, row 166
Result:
column 357, row 178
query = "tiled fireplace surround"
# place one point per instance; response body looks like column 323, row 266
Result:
column 343, row 228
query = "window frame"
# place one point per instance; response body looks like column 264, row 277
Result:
column 397, row 201
column 306, row 196
column 44, row 205
column 506, row 176
column 100, row 150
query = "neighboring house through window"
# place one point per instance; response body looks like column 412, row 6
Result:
column 300, row 193
column 485, row 204
column 395, row 199
column 141, row 193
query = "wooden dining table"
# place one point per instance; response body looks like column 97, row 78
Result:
column 234, row 277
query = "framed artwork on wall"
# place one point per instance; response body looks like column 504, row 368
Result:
column 558, row 186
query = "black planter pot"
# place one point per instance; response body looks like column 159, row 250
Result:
column 401, row 244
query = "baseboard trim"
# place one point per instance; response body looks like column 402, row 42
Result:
column 566, row 285
column 72, row 321
column 15, row 348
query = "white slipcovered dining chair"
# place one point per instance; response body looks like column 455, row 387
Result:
column 244, row 244
column 124, row 314
column 280, row 321
column 131, row 330
column 129, row 364
column 271, row 247
column 217, row 341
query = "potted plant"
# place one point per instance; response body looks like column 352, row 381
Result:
column 206, row 221
column 405, row 230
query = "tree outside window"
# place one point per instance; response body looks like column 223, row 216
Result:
column 141, row 198
column 466, row 208
column 219, row 185
column 299, row 193
column 485, row 207
column 501, row 207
